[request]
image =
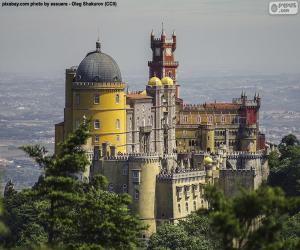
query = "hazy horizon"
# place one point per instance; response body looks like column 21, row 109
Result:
column 214, row 37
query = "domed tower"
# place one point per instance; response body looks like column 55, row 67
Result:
column 95, row 91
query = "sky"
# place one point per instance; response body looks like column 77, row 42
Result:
column 213, row 37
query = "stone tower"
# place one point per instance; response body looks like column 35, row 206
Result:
column 249, row 123
column 95, row 91
column 163, row 60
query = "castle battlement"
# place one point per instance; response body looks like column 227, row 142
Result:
column 186, row 173
column 238, row 172
column 245, row 155
column 134, row 157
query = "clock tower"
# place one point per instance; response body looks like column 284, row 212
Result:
column 163, row 60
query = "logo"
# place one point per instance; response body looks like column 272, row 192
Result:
column 283, row 8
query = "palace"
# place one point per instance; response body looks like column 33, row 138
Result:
column 152, row 145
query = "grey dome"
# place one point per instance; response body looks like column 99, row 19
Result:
column 98, row 67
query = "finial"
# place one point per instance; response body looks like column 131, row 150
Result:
column 162, row 29
column 98, row 44
column 173, row 34
column 152, row 33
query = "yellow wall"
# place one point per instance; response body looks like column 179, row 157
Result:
column 107, row 111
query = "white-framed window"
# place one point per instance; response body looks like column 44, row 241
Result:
column 96, row 99
column 124, row 188
column 117, row 138
column 97, row 124
column 195, row 206
column 118, row 124
column 187, row 206
column 198, row 119
column 223, row 119
column 136, row 194
column 77, row 99
column 96, row 138
column 117, row 98
column 210, row 119
column 111, row 187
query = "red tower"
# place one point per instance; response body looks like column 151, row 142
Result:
column 163, row 60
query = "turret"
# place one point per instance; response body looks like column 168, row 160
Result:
column 163, row 33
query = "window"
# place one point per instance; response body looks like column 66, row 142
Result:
column 124, row 188
column 136, row 176
column 77, row 99
column 96, row 138
column 77, row 124
column 185, row 119
column 117, row 98
column 117, row 124
column 96, row 124
column 96, row 99
column 125, row 170
column 117, row 138
column 223, row 119
column 187, row 206
column 179, row 208
column 111, row 187
column 210, row 119
column 198, row 119
column 136, row 195
column 195, row 206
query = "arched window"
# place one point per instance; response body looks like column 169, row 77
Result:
column 96, row 99
column 96, row 124
column 118, row 124
column 136, row 195
column 117, row 98
column 223, row 119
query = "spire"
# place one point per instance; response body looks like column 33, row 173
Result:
column 162, row 29
column 173, row 34
column 152, row 33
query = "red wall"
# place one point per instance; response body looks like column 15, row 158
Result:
column 251, row 116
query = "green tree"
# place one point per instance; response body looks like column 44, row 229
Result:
column 285, row 166
column 252, row 220
column 291, row 229
column 194, row 233
column 65, row 212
